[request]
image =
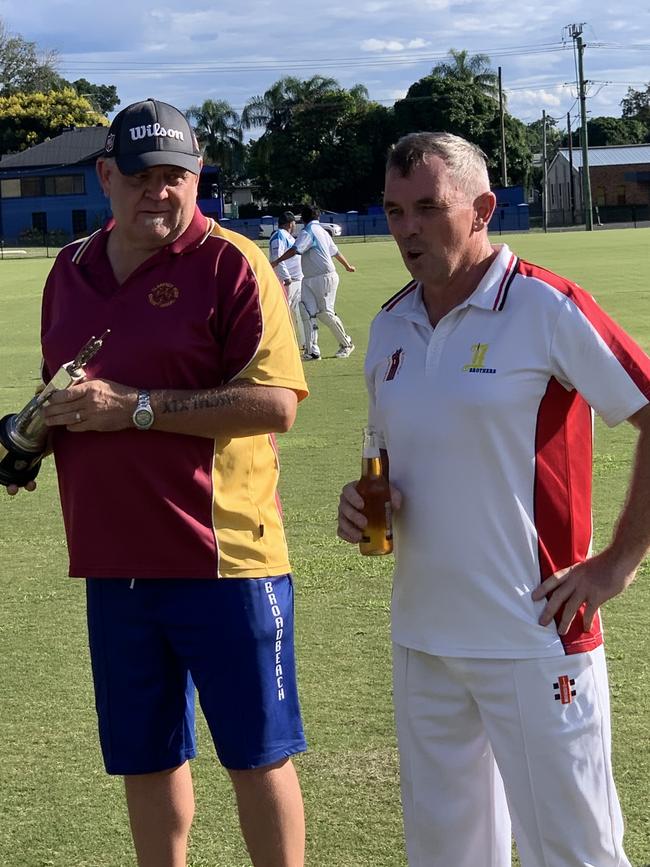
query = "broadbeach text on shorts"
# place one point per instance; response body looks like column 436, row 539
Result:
column 279, row 632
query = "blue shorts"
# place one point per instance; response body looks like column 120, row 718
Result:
column 152, row 640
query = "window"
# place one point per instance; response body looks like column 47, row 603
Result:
column 79, row 223
column 39, row 221
column 601, row 197
column 64, row 185
column 31, row 187
column 10, row 188
column 620, row 194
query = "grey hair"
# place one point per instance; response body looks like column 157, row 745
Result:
column 466, row 162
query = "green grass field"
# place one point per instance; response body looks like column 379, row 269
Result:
column 57, row 807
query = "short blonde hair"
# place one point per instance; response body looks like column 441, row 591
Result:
column 466, row 162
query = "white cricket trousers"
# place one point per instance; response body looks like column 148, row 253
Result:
column 318, row 298
column 484, row 741
column 293, row 298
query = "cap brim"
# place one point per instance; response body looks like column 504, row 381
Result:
column 131, row 164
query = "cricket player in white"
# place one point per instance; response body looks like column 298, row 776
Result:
column 320, row 278
column 482, row 375
column 289, row 272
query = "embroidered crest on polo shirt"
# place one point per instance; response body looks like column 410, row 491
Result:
column 563, row 684
column 477, row 364
column 394, row 364
column 163, row 295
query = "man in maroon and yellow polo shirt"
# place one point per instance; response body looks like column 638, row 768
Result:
column 167, row 469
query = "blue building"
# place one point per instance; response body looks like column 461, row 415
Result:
column 51, row 190
column 52, row 187
column 511, row 213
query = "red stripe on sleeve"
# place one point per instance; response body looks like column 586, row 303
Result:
column 628, row 353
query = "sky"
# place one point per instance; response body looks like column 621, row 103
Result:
column 187, row 51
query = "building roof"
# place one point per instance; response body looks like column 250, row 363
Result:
column 613, row 155
column 69, row 148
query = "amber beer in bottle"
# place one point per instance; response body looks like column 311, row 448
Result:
column 374, row 488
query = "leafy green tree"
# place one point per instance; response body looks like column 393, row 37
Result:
column 449, row 104
column 22, row 70
column 103, row 97
column 535, row 137
column 444, row 104
column 518, row 152
column 320, row 142
column 602, row 131
column 27, row 119
column 219, row 131
column 470, row 69
column 275, row 108
column 636, row 105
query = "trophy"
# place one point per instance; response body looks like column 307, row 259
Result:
column 23, row 435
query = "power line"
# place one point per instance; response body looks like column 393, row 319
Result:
column 194, row 67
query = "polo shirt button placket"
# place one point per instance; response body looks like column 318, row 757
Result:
column 436, row 344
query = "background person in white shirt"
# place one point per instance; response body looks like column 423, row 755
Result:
column 320, row 278
column 482, row 375
column 289, row 272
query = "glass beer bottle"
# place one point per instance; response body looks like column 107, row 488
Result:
column 374, row 488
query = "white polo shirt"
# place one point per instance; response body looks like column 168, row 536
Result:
column 488, row 428
column 316, row 247
column 280, row 241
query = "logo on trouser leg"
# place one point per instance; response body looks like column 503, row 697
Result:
column 563, row 684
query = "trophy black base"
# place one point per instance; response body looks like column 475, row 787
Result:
column 17, row 466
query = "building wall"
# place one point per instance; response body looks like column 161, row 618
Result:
column 611, row 186
column 22, row 213
column 559, row 187
column 618, row 185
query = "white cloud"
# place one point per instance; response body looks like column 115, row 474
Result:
column 392, row 44
column 382, row 45
column 529, row 103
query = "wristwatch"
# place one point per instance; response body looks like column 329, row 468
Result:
column 143, row 415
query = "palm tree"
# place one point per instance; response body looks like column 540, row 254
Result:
column 219, row 131
column 474, row 69
column 275, row 108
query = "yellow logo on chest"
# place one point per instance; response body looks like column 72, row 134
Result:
column 477, row 364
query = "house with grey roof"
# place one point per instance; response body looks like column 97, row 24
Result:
column 51, row 191
column 620, row 184
column 52, row 188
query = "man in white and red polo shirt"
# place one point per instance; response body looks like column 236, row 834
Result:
column 482, row 375
column 167, row 469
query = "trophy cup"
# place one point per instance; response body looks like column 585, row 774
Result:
column 23, row 435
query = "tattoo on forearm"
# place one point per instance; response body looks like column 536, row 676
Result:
column 200, row 401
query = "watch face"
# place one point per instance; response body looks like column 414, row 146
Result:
column 142, row 417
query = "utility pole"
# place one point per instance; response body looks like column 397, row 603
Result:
column 504, row 167
column 545, row 170
column 572, row 195
column 575, row 31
